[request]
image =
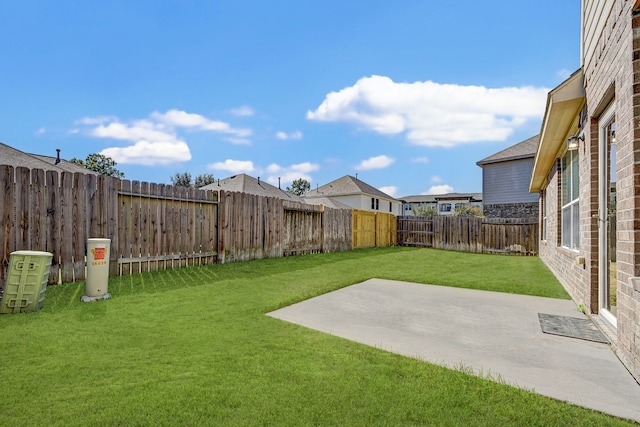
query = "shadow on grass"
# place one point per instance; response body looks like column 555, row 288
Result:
column 69, row 294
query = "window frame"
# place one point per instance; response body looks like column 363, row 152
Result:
column 570, row 200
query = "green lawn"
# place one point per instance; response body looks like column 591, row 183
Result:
column 193, row 347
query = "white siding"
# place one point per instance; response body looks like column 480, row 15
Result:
column 595, row 13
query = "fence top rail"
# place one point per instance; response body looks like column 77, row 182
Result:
column 497, row 221
column 172, row 198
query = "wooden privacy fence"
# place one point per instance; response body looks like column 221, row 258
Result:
column 470, row 234
column 153, row 226
column 373, row 229
column 254, row 227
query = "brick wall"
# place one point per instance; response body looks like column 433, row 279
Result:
column 612, row 78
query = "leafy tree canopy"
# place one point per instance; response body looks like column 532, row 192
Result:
column 468, row 210
column 101, row 164
column 204, row 179
column 185, row 179
column 299, row 187
column 425, row 211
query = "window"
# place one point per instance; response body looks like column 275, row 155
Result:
column 390, row 207
column 375, row 204
column 570, row 201
column 445, row 207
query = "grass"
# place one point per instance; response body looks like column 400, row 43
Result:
column 193, row 347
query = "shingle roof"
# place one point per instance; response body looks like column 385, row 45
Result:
column 64, row 164
column 14, row 157
column 244, row 183
column 522, row 150
column 345, row 186
column 325, row 201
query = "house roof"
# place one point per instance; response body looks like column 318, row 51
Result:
column 16, row 158
column 522, row 150
column 347, row 185
column 325, row 201
column 433, row 198
column 560, row 120
column 63, row 164
column 244, row 183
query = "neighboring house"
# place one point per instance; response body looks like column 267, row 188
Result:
column 356, row 194
column 505, row 182
column 443, row 204
column 14, row 157
column 587, row 173
column 243, row 183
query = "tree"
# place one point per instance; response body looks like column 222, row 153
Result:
column 468, row 210
column 182, row 180
column 425, row 211
column 299, row 187
column 204, row 179
column 101, row 164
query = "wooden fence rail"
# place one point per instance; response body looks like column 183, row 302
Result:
column 153, row 226
column 157, row 226
column 470, row 234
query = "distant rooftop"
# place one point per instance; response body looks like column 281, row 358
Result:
column 522, row 150
column 16, row 158
column 347, row 185
column 243, row 183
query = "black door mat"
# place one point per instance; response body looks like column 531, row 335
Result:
column 573, row 327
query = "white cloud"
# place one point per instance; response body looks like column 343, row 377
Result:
column 390, row 190
column 288, row 174
column 41, row 131
column 178, row 118
column 564, row 74
column 164, row 153
column 436, row 179
column 433, row 114
column 285, row 136
column 378, row 162
column 233, row 166
column 238, row 141
column 155, row 140
column 242, row 111
column 420, row 160
column 439, row 189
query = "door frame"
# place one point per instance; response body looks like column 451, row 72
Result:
column 603, row 218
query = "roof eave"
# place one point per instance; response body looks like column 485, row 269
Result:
column 560, row 120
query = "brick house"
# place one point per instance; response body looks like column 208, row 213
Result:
column 505, row 182
column 587, row 173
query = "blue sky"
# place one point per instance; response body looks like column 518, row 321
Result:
column 409, row 95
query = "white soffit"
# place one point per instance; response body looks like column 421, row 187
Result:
column 563, row 107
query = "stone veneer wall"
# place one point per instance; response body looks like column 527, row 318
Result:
column 511, row 210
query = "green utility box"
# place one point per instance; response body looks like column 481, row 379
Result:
column 26, row 281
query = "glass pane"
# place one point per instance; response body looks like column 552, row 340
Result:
column 566, row 227
column 575, row 219
column 565, row 181
column 575, row 176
